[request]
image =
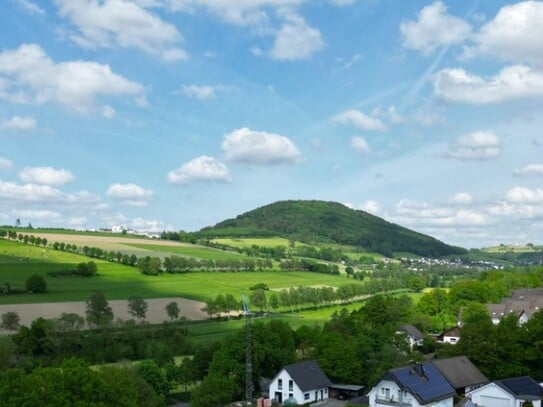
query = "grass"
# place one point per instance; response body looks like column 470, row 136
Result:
column 38, row 231
column 258, row 241
column 19, row 261
column 200, row 252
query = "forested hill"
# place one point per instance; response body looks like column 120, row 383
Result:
column 329, row 222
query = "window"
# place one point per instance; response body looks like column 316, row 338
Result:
column 306, row 396
column 290, row 385
column 290, row 396
column 280, row 384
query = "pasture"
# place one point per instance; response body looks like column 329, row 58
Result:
column 117, row 281
column 255, row 241
column 200, row 252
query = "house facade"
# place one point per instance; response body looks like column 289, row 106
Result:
column 414, row 336
column 304, row 382
column 514, row 392
column 414, row 386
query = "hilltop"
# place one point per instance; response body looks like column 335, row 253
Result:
column 319, row 222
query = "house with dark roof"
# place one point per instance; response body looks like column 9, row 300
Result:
column 513, row 392
column 416, row 386
column 461, row 373
column 451, row 335
column 304, row 382
column 414, row 336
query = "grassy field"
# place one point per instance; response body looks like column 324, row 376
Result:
column 19, row 261
column 200, row 252
column 258, row 241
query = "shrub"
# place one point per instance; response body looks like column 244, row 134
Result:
column 36, row 284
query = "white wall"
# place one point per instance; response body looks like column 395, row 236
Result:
column 492, row 395
column 296, row 392
column 379, row 392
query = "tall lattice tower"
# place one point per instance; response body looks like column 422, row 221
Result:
column 249, row 387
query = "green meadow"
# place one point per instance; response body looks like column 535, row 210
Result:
column 200, row 252
column 256, row 241
column 18, row 261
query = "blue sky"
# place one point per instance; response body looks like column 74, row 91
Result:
column 177, row 114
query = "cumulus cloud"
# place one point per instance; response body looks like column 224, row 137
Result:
column 30, row 7
column 201, row 169
column 433, row 28
column 296, row 40
column 45, row 194
column 245, row 12
column 121, row 23
column 259, row 147
column 199, row 92
column 130, row 194
column 18, row 123
column 531, row 169
column 525, row 195
column 514, row 34
column 371, row 207
column 149, row 225
column 360, row 145
column 108, row 112
column 342, row 3
column 512, row 82
column 359, row 120
column 6, row 164
column 480, row 145
column 31, row 76
column 36, row 214
column 421, row 213
column 462, row 198
column 46, row 176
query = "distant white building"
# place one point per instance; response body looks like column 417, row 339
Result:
column 117, row 229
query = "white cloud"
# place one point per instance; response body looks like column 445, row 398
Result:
column 130, row 194
column 359, row 120
column 149, row 225
column 35, row 77
column 360, row 145
column 480, row 145
column 259, row 147
column 121, row 23
column 46, row 176
column 296, row 40
column 31, row 7
column 514, row 34
column 531, row 169
column 371, row 207
column 421, row 213
column 462, row 198
column 6, row 164
column 342, row 3
column 199, row 92
column 239, row 12
column 434, row 27
column 201, row 169
column 77, row 221
column 525, row 195
column 18, row 123
column 32, row 193
column 512, row 82
column 108, row 112
column 36, row 214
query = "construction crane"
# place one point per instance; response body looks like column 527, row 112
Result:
column 249, row 387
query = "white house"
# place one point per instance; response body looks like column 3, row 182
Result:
column 303, row 381
column 414, row 336
column 414, row 386
column 512, row 392
column 451, row 335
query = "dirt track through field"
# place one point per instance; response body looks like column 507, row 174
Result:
column 156, row 312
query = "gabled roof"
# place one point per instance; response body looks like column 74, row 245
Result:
column 522, row 387
column 460, row 372
column 412, row 331
column 423, row 381
column 308, row 375
column 454, row 331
